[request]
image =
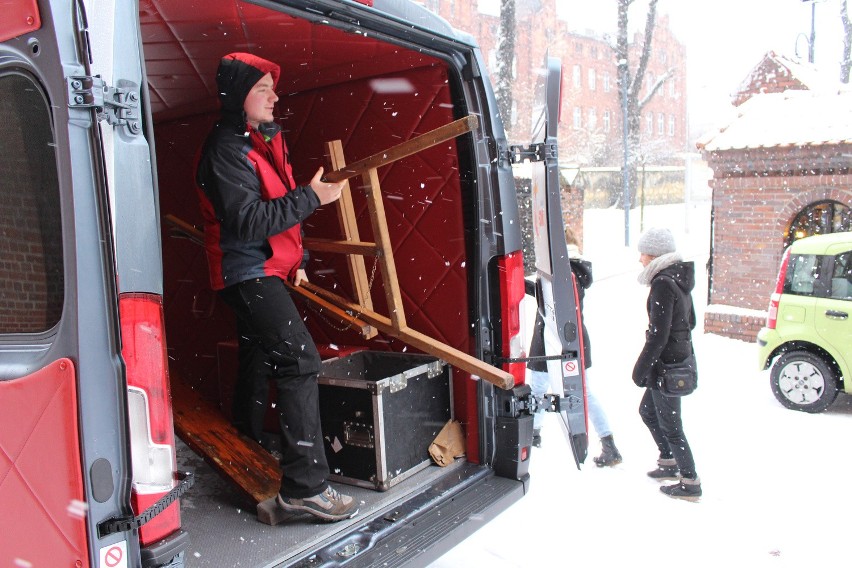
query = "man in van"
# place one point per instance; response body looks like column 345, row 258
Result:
column 253, row 211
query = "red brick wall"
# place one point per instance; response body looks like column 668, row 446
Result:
column 768, row 77
column 756, row 195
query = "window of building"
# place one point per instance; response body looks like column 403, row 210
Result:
column 593, row 51
column 606, row 121
column 592, row 79
column 593, row 119
column 649, row 123
column 32, row 286
column 672, row 87
column 578, row 76
column 607, row 85
column 578, row 48
column 819, row 218
column 578, row 118
column 661, row 124
column 671, row 125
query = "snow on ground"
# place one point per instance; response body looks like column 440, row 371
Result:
column 773, row 479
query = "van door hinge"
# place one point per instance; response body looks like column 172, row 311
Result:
column 534, row 153
column 529, row 404
column 118, row 106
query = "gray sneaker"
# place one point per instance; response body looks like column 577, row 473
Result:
column 328, row 505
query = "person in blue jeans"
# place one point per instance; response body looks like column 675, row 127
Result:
column 540, row 379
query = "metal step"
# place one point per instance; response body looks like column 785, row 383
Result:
column 423, row 528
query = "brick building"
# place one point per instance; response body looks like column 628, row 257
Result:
column 781, row 171
column 590, row 124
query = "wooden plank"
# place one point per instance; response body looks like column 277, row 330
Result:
column 240, row 460
column 332, row 311
column 380, row 231
column 344, row 247
column 349, row 224
column 184, row 229
column 416, row 144
column 427, row 344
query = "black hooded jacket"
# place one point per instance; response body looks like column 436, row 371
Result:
column 671, row 319
column 582, row 270
column 251, row 204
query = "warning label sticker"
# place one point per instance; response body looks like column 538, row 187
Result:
column 114, row 555
column 571, row 368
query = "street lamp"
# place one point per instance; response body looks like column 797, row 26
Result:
column 625, row 181
column 812, row 39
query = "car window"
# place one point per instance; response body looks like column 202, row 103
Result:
column 31, row 265
column 802, row 271
column 841, row 277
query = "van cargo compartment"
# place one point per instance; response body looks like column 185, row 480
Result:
column 380, row 411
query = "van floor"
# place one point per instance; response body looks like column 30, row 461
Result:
column 223, row 526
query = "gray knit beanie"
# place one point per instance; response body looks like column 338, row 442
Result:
column 656, row 241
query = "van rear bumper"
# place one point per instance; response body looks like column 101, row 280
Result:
column 421, row 530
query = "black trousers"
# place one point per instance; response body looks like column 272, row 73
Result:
column 275, row 345
column 662, row 415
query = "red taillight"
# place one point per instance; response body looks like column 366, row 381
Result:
column 511, row 269
column 775, row 298
column 152, row 441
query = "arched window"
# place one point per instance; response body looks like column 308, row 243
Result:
column 819, row 218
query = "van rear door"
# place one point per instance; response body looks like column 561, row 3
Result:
column 63, row 459
column 557, row 299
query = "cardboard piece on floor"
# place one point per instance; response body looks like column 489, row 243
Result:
column 448, row 444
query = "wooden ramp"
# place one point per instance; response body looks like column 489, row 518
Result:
column 204, row 428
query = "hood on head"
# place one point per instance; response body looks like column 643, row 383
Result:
column 237, row 74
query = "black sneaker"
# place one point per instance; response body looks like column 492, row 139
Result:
column 687, row 489
column 666, row 470
column 328, row 505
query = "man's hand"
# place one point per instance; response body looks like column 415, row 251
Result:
column 327, row 192
column 301, row 276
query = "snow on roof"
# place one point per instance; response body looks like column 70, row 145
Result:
column 791, row 118
column 802, row 72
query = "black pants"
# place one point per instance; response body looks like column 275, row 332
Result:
column 275, row 345
column 662, row 415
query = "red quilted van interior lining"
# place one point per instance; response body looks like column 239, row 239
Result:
column 334, row 85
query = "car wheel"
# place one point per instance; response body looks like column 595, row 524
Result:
column 803, row 381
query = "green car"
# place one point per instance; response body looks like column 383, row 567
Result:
column 807, row 340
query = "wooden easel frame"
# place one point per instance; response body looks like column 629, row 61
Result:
column 360, row 314
column 394, row 323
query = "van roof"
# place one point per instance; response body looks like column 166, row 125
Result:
column 183, row 46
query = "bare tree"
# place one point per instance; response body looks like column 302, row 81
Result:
column 846, row 62
column 505, row 59
column 630, row 84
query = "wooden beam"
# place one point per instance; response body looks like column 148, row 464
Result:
column 416, row 144
column 349, row 225
column 203, row 427
column 376, row 207
column 332, row 311
column 451, row 355
column 344, row 247
column 185, row 229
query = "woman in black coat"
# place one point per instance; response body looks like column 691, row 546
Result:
column 671, row 318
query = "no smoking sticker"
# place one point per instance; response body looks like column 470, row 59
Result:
column 571, row 368
column 114, row 555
